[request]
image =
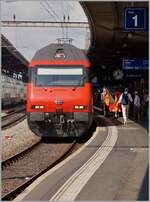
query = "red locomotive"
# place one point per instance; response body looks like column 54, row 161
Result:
column 59, row 101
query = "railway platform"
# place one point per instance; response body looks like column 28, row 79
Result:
column 112, row 165
column 61, row 76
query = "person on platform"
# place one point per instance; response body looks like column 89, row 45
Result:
column 106, row 101
column 125, row 100
column 137, row 105
column 145, row 104
column 117, row 104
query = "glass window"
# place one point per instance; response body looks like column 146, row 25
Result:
column 59, row 76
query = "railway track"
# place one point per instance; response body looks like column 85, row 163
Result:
column 13, row 118
column 21, row 170
column 13, row 108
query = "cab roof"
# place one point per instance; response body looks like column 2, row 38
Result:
column 57, row 52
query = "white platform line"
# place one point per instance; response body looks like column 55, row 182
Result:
column 73, row 186
column 28, row 190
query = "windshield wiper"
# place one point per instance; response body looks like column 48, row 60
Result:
column 79, row 83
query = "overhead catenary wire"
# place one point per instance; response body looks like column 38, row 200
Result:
column 64, row 28
column 45, row 8
column 54, row 13
column 62, row 9
column 67, row 19
column 67, row 26
column 67, row 16
column 70, row 6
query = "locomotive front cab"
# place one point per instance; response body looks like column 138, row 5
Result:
column 59, row 98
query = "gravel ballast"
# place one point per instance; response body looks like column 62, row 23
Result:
column 16, row 139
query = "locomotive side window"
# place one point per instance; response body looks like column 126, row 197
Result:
column 59, row 76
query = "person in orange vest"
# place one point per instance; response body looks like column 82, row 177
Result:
column 106, row 100
column 117, row 104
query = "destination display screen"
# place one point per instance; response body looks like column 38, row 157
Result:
column 60, row 76
column 135, row 64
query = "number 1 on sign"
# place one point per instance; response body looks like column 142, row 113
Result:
column 135, row 18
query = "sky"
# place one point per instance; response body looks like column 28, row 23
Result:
column 28, row 40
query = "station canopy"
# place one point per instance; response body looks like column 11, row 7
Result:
column 12, row 60
column 109, row 41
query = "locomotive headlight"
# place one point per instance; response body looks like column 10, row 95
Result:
column 37, row 107
column 76, row 107
column 41, row 107
column 79, row 107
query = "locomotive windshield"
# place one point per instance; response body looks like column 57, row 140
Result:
column 59, row 76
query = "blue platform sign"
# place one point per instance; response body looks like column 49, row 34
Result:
column 135, row 19
column 135, row 64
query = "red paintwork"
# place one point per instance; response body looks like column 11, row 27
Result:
column 47, row 95
column 85, row 63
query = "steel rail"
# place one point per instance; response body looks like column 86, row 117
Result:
column 8, row 161
column 13, row 117
column 11, row 195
